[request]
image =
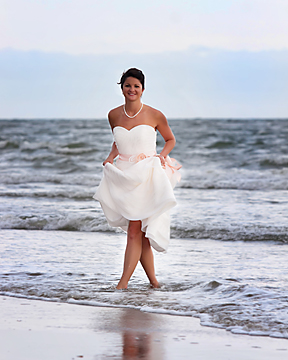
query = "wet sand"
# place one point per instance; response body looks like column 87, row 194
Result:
column 40, row 330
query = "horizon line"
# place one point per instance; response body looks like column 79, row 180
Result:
column 168, row 118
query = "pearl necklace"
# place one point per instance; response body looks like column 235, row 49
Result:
column 132, row 117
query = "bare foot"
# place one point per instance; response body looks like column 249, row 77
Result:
column 121, row 286
column 155, row 285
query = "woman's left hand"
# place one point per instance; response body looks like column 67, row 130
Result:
column 162, row 159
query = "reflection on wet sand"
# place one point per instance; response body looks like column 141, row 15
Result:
column 140, row 341
column 139, row 335
column 136, row 345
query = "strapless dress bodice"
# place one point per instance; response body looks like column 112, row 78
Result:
column 140, row 139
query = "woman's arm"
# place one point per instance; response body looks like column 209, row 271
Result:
column 113, row 153
column 112, row 115
column 167, row 134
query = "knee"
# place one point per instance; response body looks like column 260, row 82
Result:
column 134, row 231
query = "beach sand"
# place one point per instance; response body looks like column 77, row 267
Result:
column 40, row 330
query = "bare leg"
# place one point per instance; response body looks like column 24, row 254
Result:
column 132, row 253
column 147, row 261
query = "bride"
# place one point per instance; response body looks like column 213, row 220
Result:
column 137, row 193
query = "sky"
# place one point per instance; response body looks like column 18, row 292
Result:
column 132, row 33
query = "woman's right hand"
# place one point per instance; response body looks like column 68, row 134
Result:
column 112, row 155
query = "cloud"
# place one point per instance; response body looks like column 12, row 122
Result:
column 198, row 82
column 143, row 26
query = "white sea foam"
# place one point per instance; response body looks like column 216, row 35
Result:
column 235, row 286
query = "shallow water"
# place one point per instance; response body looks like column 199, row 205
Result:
column 235, row 285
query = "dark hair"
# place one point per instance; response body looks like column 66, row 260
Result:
column 133, row 72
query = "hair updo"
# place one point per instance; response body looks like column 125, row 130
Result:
column 135, row 73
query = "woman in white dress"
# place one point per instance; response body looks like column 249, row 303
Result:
column 136, row 193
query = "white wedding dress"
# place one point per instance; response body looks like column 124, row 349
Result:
column 138, row 187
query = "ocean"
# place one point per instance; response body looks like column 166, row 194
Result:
column 227, row 260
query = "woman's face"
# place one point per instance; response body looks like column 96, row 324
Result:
column 132, row 89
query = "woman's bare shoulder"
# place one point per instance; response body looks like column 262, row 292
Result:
column 157, row 117
column 115, row 111
column 114, row 114
column 154, row 113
